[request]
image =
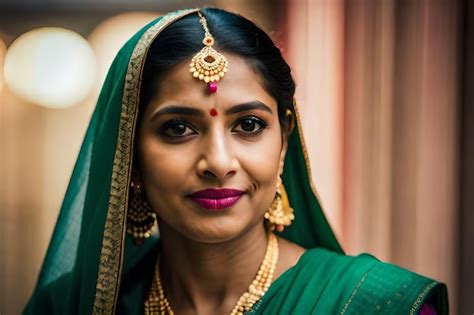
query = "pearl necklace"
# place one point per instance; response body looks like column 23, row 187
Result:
column 158, row 304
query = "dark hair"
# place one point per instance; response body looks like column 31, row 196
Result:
column 232, row 33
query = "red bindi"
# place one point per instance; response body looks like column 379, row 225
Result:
column 213, row 112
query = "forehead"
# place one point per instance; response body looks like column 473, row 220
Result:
column 240, row 84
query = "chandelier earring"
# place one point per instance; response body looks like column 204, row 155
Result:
column 140, row 217
column 280, row 214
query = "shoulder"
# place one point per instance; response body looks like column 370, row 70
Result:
column 325, row 282
column 44, row 300
column 375, row 287
column 319, row 283
column 386, row 288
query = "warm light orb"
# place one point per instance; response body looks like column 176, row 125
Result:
column 109, row 36
column 51, row 67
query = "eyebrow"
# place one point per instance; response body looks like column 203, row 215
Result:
column 248, row 106
column 189, row 111
column 178, row 110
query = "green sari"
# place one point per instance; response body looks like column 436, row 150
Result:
column 93, row 266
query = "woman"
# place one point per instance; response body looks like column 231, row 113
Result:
column 194, row 125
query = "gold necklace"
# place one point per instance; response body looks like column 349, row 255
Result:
column 158, row 304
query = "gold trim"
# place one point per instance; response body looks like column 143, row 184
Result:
column 308, row 167
column 413, row 309
column 351, row 298
column 111, row 256
column 421, row 297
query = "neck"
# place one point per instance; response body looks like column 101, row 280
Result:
column 209, row 278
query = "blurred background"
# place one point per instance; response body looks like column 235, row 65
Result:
column 385, row 90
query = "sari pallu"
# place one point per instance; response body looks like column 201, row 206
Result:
column 324, row 282
column 92, row 266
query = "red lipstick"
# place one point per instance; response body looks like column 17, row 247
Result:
column 216, row 199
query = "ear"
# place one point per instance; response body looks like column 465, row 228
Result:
column 285, row 135
column 284, row 148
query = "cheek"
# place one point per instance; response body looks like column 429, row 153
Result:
column 261, row 166
column 162, row 169
column 261, row 161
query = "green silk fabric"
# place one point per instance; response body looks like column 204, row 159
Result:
column 92, row 265
column 324, row 282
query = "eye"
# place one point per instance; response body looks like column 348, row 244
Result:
column 176, row 129
column 249, row 125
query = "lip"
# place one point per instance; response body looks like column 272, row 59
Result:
column 216, row 199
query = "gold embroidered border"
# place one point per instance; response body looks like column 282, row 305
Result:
column 414, row 307
column 111, row 257
column 351, row 298
column 421, row 297
column 308, row 165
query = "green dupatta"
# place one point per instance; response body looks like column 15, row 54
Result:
column 92, row 266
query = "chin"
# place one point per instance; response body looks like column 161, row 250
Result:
column 219, row 232
column 215, row 236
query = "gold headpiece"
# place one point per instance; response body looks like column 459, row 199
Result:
column 208, row 65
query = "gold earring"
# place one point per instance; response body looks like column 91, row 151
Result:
column 140, row 216
column 280, row 214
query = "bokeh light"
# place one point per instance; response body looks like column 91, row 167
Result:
column 110, row 35
column 51, row 67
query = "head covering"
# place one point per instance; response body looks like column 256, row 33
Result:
column 90, row 256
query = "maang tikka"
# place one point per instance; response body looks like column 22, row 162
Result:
column 208, row 65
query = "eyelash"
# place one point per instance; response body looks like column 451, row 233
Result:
column 247, row 134
column 175, row 123
column 178, row 122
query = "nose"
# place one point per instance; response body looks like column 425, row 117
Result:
column 217, row 160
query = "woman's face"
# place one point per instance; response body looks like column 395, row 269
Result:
column 211, row 177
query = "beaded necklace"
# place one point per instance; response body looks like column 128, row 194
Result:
column 158, row 304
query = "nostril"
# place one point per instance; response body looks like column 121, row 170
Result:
column 229, row 174
column 209, row 174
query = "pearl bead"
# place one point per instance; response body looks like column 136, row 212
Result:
column 157, row 303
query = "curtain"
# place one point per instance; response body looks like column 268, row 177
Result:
column 378, row 82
